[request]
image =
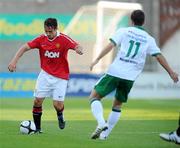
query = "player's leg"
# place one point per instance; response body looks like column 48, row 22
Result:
column 42, row 90
column 97, row 111
column 103, row 87
column 112, row 119
column 58, row 100
column 37, row 113
column 59, row 107
column 97, row 108
column 121, row 96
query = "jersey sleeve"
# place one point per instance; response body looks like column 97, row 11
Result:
column 35, row 43
column 71, row 44
column 153, row 48
column 117, row 37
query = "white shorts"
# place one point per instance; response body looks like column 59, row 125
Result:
column 50, row 86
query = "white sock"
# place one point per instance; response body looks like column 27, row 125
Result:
column 97, row 111
column 112, row 120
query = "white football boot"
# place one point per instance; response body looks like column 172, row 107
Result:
column 98, row 131
column 171, row 137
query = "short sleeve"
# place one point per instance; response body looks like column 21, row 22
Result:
column 153, row 49
column 35, row 43
column 117, row 37
column 71, row 44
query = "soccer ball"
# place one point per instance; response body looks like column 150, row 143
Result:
column 27, row 127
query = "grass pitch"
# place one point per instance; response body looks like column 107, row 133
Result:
column 139, row 127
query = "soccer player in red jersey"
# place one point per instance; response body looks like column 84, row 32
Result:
column 52, row 80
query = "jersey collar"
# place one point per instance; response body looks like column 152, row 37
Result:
column 139, row 27
column 58, row 34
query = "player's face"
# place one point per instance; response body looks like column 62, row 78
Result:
column 50, row 32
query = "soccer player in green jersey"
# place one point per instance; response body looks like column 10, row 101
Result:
column 134, row 44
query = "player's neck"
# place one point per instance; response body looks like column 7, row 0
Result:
column 54, row 37
column 139, row 27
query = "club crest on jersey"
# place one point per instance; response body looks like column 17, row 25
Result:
column 57, row 45
column 51, row 54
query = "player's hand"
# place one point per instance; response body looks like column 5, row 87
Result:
column 79, row 50
column 92, row 64
column 12, row 67
column 174, row 76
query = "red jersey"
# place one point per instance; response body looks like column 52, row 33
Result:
column 53, row 54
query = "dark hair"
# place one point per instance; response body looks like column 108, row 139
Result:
column 51, row 22
column 138, row 17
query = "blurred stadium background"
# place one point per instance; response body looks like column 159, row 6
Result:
column 21, row 21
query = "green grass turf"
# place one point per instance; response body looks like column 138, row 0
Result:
column 139, row 126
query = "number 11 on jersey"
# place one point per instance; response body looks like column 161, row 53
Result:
column 131, row 46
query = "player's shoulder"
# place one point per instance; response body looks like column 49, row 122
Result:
column 65, row 37
column 130, row 29
column 149, row 37
column 141, row 30
column 137, row 29
column 41, row 36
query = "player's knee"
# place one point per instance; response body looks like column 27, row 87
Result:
column 94, row 95
column 58, row 105
column 117, row 102
column 38, row 102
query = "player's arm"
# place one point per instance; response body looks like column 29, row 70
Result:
column 161, row 59
column 79, row 49
column 106, row 50
column 19, row 53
